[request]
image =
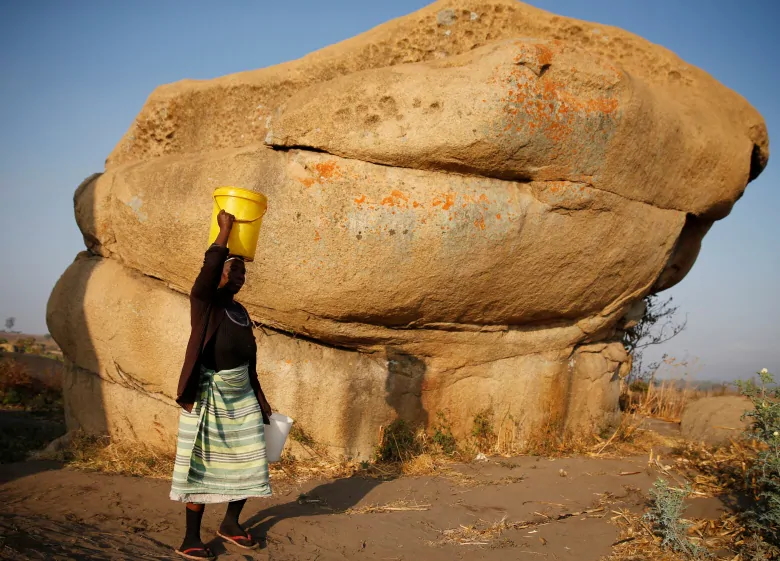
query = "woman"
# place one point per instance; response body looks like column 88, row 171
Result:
column 220, row 454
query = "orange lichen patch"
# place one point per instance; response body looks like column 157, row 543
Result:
column 480, row 223
column 325, row 171
column 498, row 216
column 396, row 199
column 446, row 200
column 328, row 170
column 317, row 236
column 361, row 199
column 539, row 103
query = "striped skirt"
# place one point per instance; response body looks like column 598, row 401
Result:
column 220, row 453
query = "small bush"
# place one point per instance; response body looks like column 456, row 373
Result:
column 639, row 386
column 298, row 434
column 398, row 443
column 19, row 389
column 442, row 435
column 763, row 476
column 666, row 517
column 482, row 430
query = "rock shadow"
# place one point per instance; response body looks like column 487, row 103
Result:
column 403, row 386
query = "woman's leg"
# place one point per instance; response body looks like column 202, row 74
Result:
column 230, row 526
column 194, row 514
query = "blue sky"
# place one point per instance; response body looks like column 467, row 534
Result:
column 73, row 75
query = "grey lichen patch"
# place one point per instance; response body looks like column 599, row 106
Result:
column 136, row 203
column 446, row 17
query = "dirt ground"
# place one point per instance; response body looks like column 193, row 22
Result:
column 554, row 509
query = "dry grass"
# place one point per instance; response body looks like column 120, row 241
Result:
column 395, row 506
column 666, row 400
column 416, row 453
column 626, row 438
column 637, row 541
column 485, row 533
column 716, row 471
column 98, row 453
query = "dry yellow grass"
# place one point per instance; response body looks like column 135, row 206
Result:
column 715, row 471
column 637, row 542
column 490, row 533
column 98, row 453
column 666, row 400
column 395, row 506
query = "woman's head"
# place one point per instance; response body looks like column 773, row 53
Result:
column 233, row 274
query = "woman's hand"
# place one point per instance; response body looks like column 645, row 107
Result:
column 225, row 221
column 266, row 408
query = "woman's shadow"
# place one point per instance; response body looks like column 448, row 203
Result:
column 329, row 498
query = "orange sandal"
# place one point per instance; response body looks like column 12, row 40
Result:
column 244, row 542
column 187, row 553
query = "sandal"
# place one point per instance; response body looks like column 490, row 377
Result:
column 188, row 553
column 244, row 542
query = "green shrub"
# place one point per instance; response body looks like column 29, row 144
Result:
column 442, row 435
column 639, row 386
column 666, row 517
column 298, row 434
column 398, row 443
column 482, row 430
column 763, row 476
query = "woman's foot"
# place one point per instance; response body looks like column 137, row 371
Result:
column 190, row 549
column 236, row 535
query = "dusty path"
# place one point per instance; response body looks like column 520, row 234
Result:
column 57, row 514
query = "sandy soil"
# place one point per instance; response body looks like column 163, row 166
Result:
column 51, row 513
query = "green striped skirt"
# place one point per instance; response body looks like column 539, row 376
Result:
column 220, row 453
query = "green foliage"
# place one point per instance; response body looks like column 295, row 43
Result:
column 298, row 434
column 639, row 386
column 442, row 435
column 666, row 517
column 27, row 345
column 19, row 389
column 482, row 430
column 398, row 443
column 763, row 476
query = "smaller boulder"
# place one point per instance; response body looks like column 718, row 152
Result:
column 715, row 420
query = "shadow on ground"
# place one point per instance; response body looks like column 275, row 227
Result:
column 33, row 538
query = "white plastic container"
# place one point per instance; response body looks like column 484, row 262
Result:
column 276, row 435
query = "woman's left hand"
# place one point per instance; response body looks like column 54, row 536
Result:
column 264, row 405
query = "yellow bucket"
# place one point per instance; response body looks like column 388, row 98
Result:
column 248, row 207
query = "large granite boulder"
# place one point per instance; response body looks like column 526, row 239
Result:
column 466, row 206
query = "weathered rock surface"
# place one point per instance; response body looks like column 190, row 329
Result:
column 715, row 420
column 466, row 204
column 127, row 334
column 389, row 247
